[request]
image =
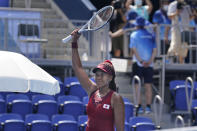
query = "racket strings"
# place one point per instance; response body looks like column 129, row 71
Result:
column 101, row 18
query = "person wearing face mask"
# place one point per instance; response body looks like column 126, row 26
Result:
column 160, row 18
column 141, row 10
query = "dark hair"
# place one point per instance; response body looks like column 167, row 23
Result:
column 117, row 4
column 180, row 5
column 112, row 84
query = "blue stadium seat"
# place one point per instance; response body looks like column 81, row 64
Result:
column 180, row 97
column 2, row 105
column 63, row 98
column 82, row 122
column 70, row 105
column 38, row 122
column 128, row 110
column 19, row 103
column 69, row 80
column 62, row 89
column 64, row 122
column 126, row 100
column 45, row 104
column 11, row 122
column 4, row 94
column 141, row 124
column 177, row 89
column 175, row 83
column 76, row 89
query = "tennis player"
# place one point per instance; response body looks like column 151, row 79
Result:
column 105, row 108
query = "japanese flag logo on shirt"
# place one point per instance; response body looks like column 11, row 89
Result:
column 106, row 106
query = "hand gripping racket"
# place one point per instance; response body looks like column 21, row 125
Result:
column 98, row 20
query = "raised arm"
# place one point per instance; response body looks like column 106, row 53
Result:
column 83, row 78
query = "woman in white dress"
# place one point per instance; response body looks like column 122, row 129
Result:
column 177, row 47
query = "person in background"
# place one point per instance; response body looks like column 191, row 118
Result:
column 131, row 16
column 117, row 22
column 142, row 10
column 195, row 13
column 105, row 108
column 180, row 14
column 143, row 45
column 160, row 18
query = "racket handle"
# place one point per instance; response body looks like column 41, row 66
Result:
column 65, row 40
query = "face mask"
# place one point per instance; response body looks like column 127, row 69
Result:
column 138, row 2
column 165, row 7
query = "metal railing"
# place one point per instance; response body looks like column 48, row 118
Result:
column 158, row 110
column 190, row 36
column 136, row 83
column 179, row 118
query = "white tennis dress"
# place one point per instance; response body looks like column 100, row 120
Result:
column 177, row 48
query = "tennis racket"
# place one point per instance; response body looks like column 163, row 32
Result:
column 98, row 20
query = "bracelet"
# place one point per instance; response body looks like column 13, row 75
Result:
column 74, row 45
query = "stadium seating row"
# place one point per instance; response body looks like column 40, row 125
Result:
column 178, row 94
column 41, row 122
column 65, row 104
column 71, row 86
column 43, row 104
column 179, row 101
column 25, row 104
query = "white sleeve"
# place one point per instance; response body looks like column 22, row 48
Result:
column 172, row 8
